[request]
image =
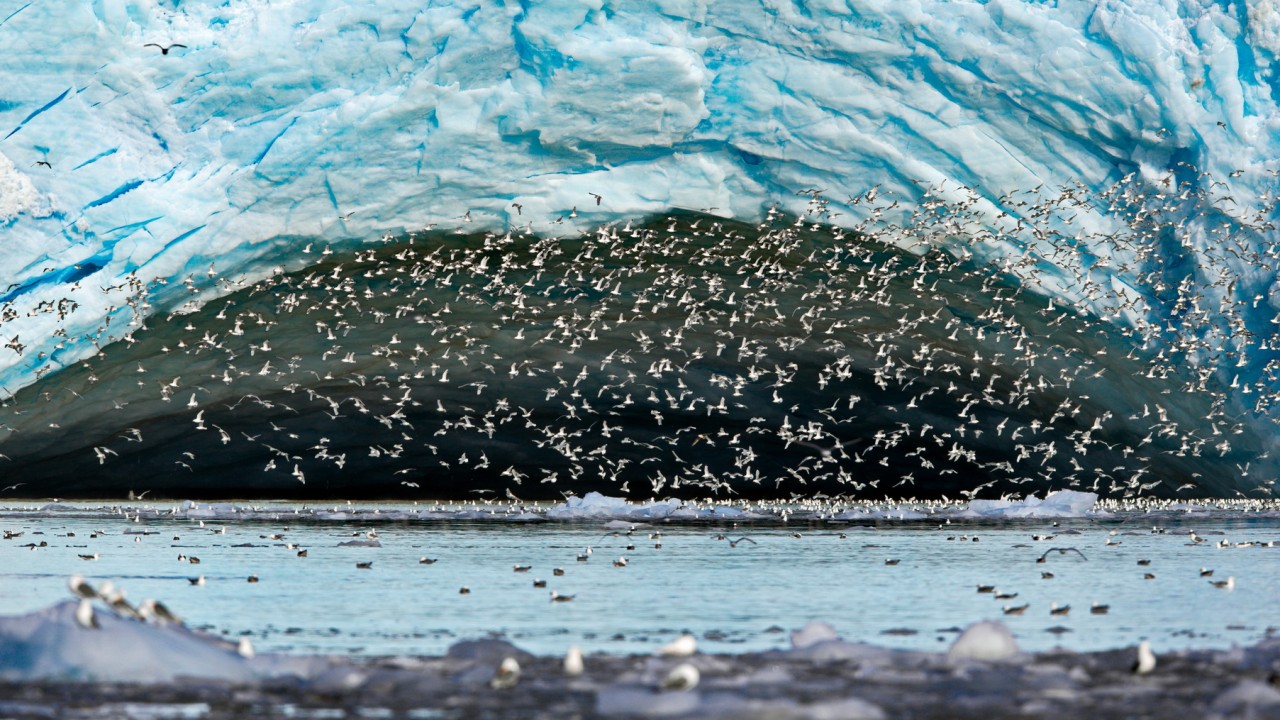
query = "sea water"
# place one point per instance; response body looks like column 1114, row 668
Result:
column 746, row 595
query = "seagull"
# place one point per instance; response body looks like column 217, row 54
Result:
column 1060, row 551
column 245, row 648
column 507, row 676
column 682, row 677
column 1146, row 661
column 164, row 49
column 573, row 665
column 155, row 610
column 84, row 614
column 80, row 588
column 682, row 646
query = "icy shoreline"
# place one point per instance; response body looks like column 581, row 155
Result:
column 51, row 665
column 595, row 507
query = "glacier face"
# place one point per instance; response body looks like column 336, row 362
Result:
column 283, row 123
column 135, row 181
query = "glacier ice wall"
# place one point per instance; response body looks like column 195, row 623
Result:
column 273, row 125
column 686, row 357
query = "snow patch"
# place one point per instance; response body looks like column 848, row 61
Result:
column 18, row 194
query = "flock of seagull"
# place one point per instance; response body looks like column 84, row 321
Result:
column 691, row 356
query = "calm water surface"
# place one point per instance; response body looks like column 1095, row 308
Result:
column 734, row 599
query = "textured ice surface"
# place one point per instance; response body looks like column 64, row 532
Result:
column 1062, row 503
column 84, row 676
column 280, row 125
column 51, row 644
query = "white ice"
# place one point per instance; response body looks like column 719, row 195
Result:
column 51, row 644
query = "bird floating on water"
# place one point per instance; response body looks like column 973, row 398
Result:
column 1228, row 584
column 507, row 674
column 682, row 677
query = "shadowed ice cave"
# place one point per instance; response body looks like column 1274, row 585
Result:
column 686, row 356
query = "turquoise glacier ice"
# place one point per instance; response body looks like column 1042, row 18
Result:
column 176, row 144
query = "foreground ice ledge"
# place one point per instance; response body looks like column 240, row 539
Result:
column 821, row 676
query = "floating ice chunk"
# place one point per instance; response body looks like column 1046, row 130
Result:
column 985, row 640
column 1068, row 503
column 1061, row 503
column 593, row 505
column 596, row 506
column 207, row 510
column 51, row 644
column 1246, row 699
column 812, row 634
